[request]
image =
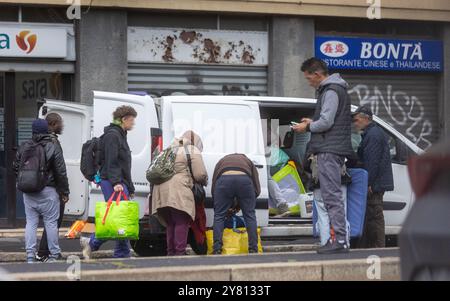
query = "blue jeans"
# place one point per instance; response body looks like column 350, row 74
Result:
column 122, row 249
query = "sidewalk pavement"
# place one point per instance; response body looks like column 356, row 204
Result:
column 20, row 232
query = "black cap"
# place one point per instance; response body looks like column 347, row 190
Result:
column 363, row 110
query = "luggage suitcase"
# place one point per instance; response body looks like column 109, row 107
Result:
column 356, row 202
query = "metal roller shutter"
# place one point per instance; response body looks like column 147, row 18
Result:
column 170, row 79
column 408, row 102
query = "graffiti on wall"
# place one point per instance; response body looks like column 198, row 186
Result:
column 401, row 110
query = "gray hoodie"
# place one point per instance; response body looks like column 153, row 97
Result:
column 329, row 105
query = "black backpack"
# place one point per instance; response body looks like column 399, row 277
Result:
column 32, row 173
column 90, row 158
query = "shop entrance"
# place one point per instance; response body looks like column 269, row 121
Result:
column 19, row 95
column 3, row 202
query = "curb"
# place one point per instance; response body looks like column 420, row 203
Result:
column 12, row 233
column 11, row 257
column 6, row 257
column 335, row 270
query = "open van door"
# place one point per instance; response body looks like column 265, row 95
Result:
column 77, row 127
column 225, row 127
column 139, row 140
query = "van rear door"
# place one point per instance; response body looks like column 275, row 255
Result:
column 77, row 127
column 225, row 126
column 139, row 139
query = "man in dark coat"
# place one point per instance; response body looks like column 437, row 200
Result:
column 375, row 156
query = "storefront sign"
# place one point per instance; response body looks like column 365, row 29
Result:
column 149, row 45
column 380, row 54
column 33, row 42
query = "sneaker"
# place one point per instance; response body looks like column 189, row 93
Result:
column 217, row 252
column 253, row 251
column 41, row 258
column 333, row 247
column 87, row 251
column 54, row 258
column 283, row 208
column 31, row 260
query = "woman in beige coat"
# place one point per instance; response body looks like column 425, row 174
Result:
column 173, row 201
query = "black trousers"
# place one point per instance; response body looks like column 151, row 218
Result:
column 43, row 245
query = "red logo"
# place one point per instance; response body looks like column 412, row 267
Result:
column 26, row 41
column 334, row 48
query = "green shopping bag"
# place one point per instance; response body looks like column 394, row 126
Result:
column 117, row 220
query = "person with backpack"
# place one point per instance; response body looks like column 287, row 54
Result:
column 42, row 177
column 55, row 128
column 173, row 201
column 114, row 174
column 235, row 177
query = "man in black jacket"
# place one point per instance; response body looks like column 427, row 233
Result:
column 375, row 155
column 115, row 171
column 45, row 203
column 55, row 128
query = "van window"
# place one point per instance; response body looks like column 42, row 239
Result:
column 277, row 117
column 399, row 151
column 224, row 128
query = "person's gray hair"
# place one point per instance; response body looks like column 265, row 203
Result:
column 365, row 115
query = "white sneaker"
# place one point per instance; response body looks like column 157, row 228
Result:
column 84, row 242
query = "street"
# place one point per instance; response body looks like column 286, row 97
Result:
column 289, row 140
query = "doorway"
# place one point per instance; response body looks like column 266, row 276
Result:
column 19, row 95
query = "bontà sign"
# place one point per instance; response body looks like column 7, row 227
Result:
column 380, row 54
column 33, row 42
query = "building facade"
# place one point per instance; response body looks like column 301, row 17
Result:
column 399, row 64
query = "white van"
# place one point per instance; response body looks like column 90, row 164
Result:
column 227, row 124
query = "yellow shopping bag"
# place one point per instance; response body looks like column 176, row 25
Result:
column 235, row 241
column 288, row 179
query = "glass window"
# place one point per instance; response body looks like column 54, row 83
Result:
column 224, row 128
column 204, row 21
column 45, row 15
column 9, row 13
column 250, row 23
column 3, row 201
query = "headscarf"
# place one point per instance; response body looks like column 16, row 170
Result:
column 194, row 139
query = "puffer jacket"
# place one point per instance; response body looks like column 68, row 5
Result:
column 56, row 166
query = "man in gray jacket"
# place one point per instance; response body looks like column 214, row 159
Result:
column 330, row 141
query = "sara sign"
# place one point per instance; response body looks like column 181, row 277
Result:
column 380, row 54
column 33, row 42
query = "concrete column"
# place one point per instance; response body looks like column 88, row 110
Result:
column 444, row 98
column 101, row 39
column 291, row 41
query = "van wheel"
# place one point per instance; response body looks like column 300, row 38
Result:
column 197, row 248
column 147, row 247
